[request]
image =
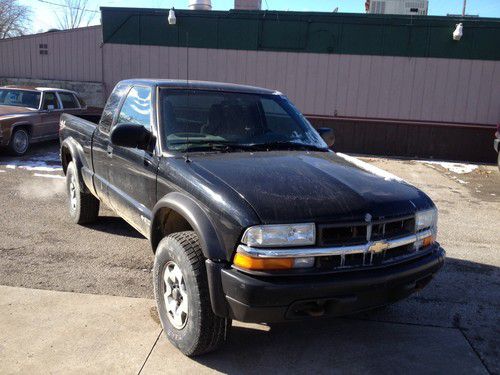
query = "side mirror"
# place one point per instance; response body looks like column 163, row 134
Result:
column 132, row 136
column 327, row 135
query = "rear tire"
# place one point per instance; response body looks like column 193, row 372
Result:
column 182, row 296
column 19, row 142
column 83, row 207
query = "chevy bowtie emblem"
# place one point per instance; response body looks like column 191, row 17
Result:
column 378, row 247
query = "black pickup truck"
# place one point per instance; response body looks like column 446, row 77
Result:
column 250, row 214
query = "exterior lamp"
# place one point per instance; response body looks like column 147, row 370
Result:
column 172, row 20
column 459, row 32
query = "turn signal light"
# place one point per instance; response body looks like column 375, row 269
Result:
column 259, row 264
column 427, row 241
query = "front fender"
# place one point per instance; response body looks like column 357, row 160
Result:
column 196, row 216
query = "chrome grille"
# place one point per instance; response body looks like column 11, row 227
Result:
column 362, row 233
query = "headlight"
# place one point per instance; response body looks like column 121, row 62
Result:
column 280, row 235
column 426, row 219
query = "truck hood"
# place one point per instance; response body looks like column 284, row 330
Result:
column 315, row 186
column 10, row 110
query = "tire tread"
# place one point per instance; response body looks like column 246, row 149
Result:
column 214, row 329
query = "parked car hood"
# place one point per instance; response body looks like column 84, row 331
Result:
column 9, row 110
column 295, row 186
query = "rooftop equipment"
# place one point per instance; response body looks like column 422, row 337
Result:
column 200, row 4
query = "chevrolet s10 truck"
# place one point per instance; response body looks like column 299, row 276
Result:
column 251, row 216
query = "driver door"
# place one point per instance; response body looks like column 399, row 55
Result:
column 132, row 176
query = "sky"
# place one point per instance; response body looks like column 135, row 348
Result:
column 45, row 15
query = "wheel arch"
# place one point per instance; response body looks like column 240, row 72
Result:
column 69, row 152
column 28, row 126
column 178, row 212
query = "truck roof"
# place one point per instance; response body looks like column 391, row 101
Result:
column 201, row 85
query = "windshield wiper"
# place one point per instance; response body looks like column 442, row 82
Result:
column 277, row 145
column 219, row 146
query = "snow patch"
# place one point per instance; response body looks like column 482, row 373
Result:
column 458, row 168
column 370, row 168
column 46, row 163
column 48, row 175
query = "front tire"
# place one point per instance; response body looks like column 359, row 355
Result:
column 19, row 142
column 182, row 296
column 83, row 207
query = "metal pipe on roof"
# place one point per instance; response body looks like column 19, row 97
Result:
column 200, row 4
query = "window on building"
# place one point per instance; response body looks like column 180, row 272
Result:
column 136, row 109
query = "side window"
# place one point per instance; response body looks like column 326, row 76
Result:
column 82, row 102
column 68, row 100
column 50, row 101
column 136, row 109
column 111, row 106
column 277, row 119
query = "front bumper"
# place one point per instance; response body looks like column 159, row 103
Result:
column 275, row 299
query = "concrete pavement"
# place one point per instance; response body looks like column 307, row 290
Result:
column 40, row 248
column 59, row 332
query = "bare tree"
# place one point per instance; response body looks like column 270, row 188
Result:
column 74, row 14
column 14, row 19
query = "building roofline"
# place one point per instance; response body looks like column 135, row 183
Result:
column 48, row 33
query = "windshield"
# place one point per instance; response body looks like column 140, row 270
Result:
column 211, row 120
column 19, row 98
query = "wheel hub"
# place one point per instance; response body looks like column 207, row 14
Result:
column 175, row 295
column 72, row 194
column 20, row 142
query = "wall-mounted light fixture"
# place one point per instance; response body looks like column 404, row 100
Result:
column 172, row 20
column 459, row 32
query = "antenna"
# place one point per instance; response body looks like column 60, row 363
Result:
column 186, row 156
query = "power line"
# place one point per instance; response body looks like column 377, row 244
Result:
column 67, row 6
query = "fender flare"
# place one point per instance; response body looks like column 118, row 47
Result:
column 194, row 214
column 75, row 150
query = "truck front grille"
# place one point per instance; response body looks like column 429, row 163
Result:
column 360, row 233
column 338, row 235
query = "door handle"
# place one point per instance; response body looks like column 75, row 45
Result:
column 109, row 151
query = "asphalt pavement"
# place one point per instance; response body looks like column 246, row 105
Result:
column 452, row 324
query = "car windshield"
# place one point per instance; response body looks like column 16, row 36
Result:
column 19, row 98
column 228, row 121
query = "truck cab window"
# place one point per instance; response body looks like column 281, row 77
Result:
column 136, row 109
column 50, row 101
column 68, row 100
column 111, row 106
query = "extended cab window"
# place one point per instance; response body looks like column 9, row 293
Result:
column 68, row 100
column 136, row 109
column 50, row 101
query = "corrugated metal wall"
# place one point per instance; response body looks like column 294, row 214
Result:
column 73, row 55
column 383, row 87
column 376, row 104
column 402, row 88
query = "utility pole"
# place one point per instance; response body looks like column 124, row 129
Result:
column 463, row 9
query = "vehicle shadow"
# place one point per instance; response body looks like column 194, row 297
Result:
column 439, row 330
column 114, row 225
